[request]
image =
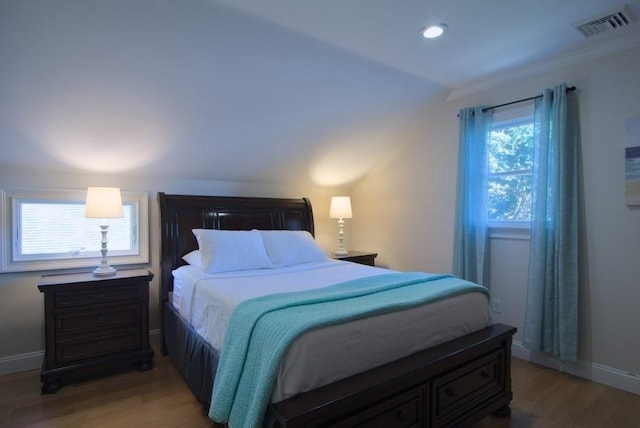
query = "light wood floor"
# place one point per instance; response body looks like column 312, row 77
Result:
column 159, row 398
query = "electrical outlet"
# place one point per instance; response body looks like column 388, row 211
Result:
column 496, row 305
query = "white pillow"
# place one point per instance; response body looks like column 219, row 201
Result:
column 229, row 250
column 193, row 258
column 291, row 247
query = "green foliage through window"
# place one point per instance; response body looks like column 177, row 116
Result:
column 510, row 171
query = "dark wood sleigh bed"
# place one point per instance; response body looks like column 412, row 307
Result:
column 455, row 383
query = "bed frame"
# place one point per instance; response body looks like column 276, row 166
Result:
column 456, row 383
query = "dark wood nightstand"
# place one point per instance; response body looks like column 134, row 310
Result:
column 361, row 257
column 94, row 325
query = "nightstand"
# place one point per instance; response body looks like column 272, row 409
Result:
column 361, row 257
column 94, row 325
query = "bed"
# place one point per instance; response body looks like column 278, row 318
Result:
column 455, row 381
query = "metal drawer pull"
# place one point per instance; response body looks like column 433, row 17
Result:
column 485, row 374
column 400, row 416
column 450, row 392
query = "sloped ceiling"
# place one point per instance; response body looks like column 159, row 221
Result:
column 484, row 38
column 251, row 90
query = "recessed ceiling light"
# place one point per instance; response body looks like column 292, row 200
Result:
column 433, row 31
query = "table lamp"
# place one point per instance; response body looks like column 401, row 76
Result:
column 340, row 209
column 104, row 203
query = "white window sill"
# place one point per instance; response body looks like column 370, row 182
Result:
column 509, row 230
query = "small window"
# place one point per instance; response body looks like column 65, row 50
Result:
column 48, row 230
column 510, row 160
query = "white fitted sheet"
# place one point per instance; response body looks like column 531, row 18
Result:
column 322, row 356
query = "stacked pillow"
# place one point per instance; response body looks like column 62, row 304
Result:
column 232, row 250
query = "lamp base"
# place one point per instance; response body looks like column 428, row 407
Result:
column 340, row 252
column 101, row 271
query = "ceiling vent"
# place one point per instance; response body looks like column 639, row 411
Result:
column 612, row 21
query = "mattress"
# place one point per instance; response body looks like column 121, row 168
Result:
column 325, row 355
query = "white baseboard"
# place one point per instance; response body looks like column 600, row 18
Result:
column 33, row 360
column 155, row 337
column 609, row 376
column 21, row 363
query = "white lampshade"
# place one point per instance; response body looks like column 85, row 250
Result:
column 103, row 202
column 340, row 207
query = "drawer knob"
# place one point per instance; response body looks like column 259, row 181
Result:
column 450, row 392
column 485, row 374
column 101, row 319
column 400, row 416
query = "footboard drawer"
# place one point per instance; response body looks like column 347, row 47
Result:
column 405, row 410
column 468, row 387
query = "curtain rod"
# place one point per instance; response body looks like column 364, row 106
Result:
column 570, row 89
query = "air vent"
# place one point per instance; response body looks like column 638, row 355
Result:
column 613, row 21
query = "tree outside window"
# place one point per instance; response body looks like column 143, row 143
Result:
column 510, row 171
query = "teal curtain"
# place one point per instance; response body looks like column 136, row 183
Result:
column 551, row 320
column 470, row 258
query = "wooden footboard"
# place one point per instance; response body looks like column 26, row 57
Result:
column 456, row 383
column 453, row 384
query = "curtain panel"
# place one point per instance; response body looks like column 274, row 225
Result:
column 551, row 320
column 470, row 258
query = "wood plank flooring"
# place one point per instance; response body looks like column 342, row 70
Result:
column 548, row 398
column 159, row 398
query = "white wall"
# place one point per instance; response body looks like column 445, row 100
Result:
column 22, row 305
column 409, row 206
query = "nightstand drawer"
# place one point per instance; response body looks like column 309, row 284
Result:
column 66, row 299
column 75, row 323
column 70, row 351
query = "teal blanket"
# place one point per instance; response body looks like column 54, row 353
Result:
column 260, row 331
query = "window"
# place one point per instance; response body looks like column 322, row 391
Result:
column 510, row 160
column 48, row 230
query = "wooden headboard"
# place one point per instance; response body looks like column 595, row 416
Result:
column 179, row 214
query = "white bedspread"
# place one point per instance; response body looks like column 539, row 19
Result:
column 325, row 355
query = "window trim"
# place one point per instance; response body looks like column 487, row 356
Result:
column 7, row 225
column 500, row 230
